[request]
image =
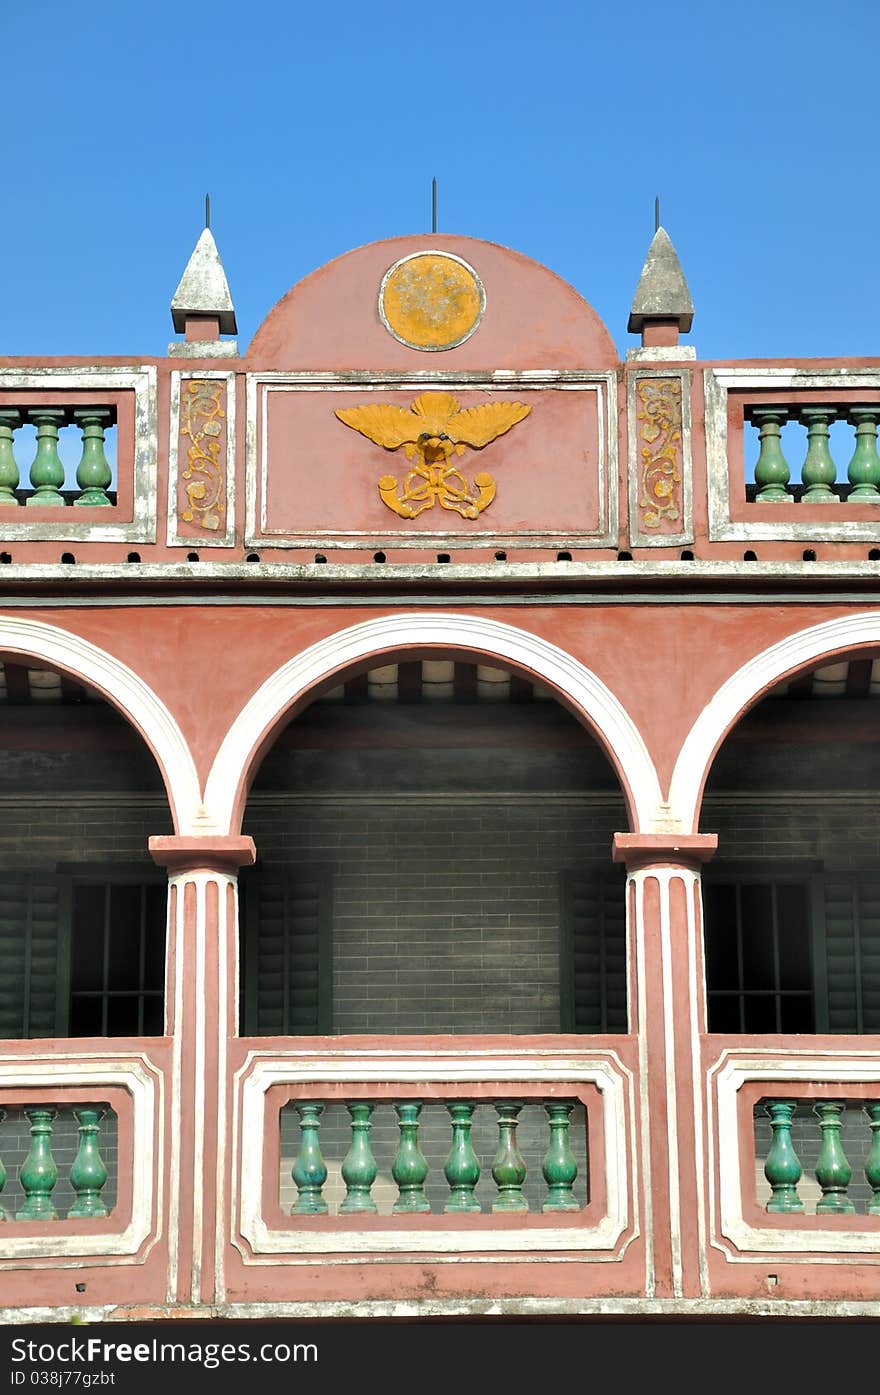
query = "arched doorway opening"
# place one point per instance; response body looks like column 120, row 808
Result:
column 82, row 910
column 83, row 906
column 433, row 839
column 433, row 842
column 791, row 903
column 792, row 900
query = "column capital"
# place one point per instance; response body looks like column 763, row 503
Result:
column 639, row 850
column 214, row 852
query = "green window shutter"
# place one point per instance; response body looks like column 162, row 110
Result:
column 851, row 906
column 288, row 967
column 593, row 952
column 33, row 958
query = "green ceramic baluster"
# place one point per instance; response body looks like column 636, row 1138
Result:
column 309, row 1172
column 462, row 1170
column 864, row 468
column 93, row 473
column 560, row 1168
column 833, row 1172
column 409, row 1168
column 872, row 1166
column 359, row 1167
column 771, row 470
column 38, row 1172
column 88, row 1174
column 819, row 471
column 508, row 1169
column 47, row 471
column 782, row 1168
column 3, row 1215
column 9, row 477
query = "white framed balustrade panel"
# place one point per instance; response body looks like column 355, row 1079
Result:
column 607, row 1239
column 729, row 1230
column 718, row 384
column 93, row 1073
column 141, row 381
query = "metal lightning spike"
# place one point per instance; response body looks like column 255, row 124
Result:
column 434, row 204
column 207, row 210
column 657, row 213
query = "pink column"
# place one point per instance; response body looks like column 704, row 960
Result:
column 201, row 1014
column 668, row 1013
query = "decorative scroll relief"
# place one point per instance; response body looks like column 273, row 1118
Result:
column 201, row 489
column 431, row 432
column 660, row 478
column 203, row 439
column 660, row 488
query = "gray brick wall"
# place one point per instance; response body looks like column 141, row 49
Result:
column 446, row 913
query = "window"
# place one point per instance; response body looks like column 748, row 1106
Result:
column 792, row 953
column 117, row 959
column 287, row 965
column 759, row 970
column 82, row 953
column 593, row 952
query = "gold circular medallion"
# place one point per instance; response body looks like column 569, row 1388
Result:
column 431, row 300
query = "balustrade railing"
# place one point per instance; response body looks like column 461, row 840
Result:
column 807, row 1166
column 54, row 426
column 457, row 1156
column 819, row 482
column 57, row 1163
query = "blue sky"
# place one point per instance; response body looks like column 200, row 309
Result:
column 550, row 129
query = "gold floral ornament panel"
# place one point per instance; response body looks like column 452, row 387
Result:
column 431, row 300
column 203, row 433
column 431, row 432
column 658, row 412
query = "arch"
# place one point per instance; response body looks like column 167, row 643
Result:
column 226, row 788
column 126, row 691
column 743, row 688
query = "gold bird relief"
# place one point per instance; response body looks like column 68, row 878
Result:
column 431, row 431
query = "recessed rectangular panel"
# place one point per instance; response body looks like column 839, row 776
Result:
column 424, row 462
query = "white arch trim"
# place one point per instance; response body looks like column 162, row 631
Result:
column 34, row 639
column 761, row 672
column 548, row 663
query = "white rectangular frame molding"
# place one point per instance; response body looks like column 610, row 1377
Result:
column 144, row 1082
column 718, row 383
column 604, row 385
column 263, row 1070
column 142, row 382
column 729, row 1231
